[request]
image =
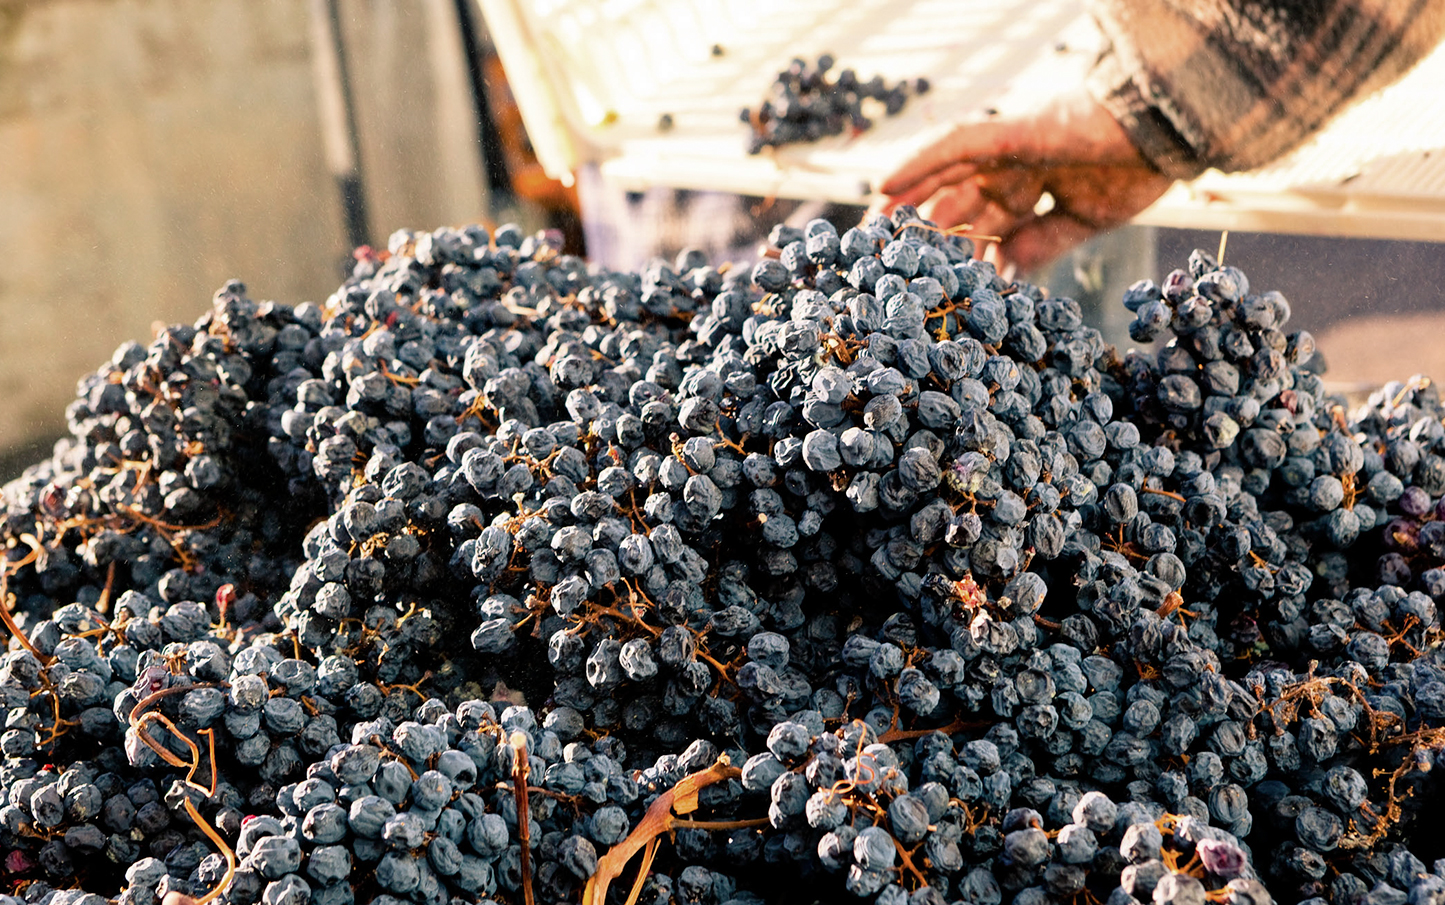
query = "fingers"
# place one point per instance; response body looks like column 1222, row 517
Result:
column 1014, row 190
column 991, row 204
column 1001, row 200
column 992, row 223
column 1106, row 196
column 928, row 186
column 1039, row 240
column 961, row 194
column 1006, row 269
column 961, row 145
column 1071, row 130
column 1088, row 200
column 957, row 205
column 1008, row 199
column 1011, row 142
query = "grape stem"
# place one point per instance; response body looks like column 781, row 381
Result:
column 10, row 621
column 643, row 871
column 178, row 898
column 139, row 721
column 520, row 768
column 959, row 724
column 658, row 820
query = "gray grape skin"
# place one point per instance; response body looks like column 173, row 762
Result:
column 807, row 103
column 964, row 457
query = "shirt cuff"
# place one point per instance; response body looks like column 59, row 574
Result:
column 1143, row 119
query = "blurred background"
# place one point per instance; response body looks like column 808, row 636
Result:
column 152, row 149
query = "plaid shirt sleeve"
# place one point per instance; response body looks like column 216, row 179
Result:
column 1235, row 84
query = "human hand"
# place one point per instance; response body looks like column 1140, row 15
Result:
column 991, row 176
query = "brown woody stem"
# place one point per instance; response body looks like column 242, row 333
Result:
column 520, row 768
column 655, row 822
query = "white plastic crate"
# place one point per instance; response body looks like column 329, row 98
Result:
column 594, row 77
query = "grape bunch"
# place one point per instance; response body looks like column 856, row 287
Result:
column 860, row 573
column 807, row 103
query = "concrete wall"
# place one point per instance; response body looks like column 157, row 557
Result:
column 152, row 149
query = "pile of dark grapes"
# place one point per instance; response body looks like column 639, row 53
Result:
column 806, row 103
column 862, row 573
